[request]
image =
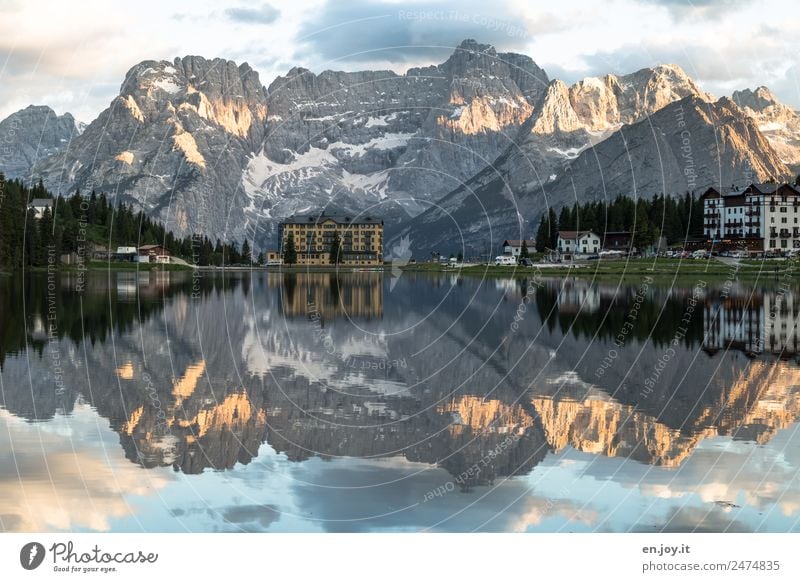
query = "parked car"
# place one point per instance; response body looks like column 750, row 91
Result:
column 504, row 260
column 526, row 262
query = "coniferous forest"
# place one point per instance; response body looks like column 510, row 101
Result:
column 27, row 241
column 676, row 218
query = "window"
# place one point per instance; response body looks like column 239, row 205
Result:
column 772, row 243
column 784, row 243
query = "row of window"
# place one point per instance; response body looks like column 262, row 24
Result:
column 305, row 227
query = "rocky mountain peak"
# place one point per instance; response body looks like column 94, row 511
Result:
column 201, row 144
column 473, row 46
column 606, row 103
column 757, row 100
column 778, row 122
column 556, row 113
column 220, row 91
column 36, row 133
column 471, row 59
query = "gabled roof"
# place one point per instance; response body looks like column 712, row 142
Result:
column 518, row 243
column 764, row 188
column 573, row 234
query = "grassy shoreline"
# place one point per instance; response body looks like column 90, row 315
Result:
column 95, row 266
column 660, row 270
column 110, row 266
column 634, row 269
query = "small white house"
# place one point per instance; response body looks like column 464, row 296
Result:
column 514, row 247
column 39, row 205
column 572, row 243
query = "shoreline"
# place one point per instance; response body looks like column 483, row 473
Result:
column 99, row 266
column 662, row 270
column 659, row 269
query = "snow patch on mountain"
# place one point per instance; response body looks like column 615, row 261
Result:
column 167, row 84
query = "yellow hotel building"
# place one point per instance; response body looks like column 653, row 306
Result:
column 361, row 238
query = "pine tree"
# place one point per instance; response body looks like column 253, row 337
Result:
column 542, row 234
column 290, row 251
column 246, row 254
column 552, row 225
column 566, row 221
column 523, row 252
column 644, row 233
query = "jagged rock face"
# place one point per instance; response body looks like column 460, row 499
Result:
column 446, row 154
column 571, row 119
column 174, row 140
column 608, row 102
column 378, row 138
column 30, row 135
column 779, row 123
column 687, row 145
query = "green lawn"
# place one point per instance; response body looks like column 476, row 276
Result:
column 660, row 269
column 116, row 266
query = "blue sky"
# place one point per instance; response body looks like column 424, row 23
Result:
column 74, row 57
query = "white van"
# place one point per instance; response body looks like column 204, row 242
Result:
column 505, row 260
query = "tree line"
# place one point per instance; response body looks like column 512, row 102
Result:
column 673, row 217
column 78, row 222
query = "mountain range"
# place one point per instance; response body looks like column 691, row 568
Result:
column 454, row 156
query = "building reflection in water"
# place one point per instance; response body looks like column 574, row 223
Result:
column 306, row 294
column 761, row 322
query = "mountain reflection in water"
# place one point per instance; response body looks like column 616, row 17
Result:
column 310, row 401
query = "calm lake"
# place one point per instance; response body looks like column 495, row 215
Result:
column 161, row 401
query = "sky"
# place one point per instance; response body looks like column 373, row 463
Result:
column 74, row 56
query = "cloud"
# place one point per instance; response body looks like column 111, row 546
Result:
column 264, row 14
column 687, row 9
column 365, row 30
column 49, row 484
column 261, row 516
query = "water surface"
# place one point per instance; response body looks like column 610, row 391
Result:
column 359, row 402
